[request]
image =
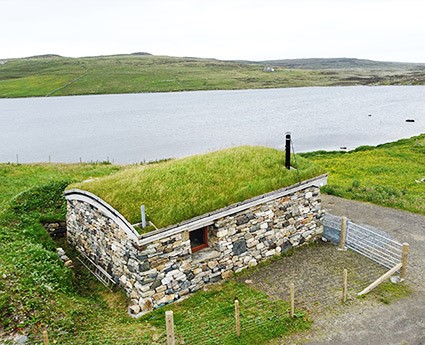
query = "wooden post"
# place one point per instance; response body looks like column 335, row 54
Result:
column 292, row 298
column 344, row 285
column 45, row 337
column 343, row 234
column 169, row 324
column 237, row 318
column 404, row 255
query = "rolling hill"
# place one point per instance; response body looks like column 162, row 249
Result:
column 54, row 75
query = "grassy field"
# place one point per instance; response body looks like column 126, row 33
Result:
column 180, row 189
column 60, row 76
column 386, row 175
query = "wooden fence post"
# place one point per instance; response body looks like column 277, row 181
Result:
column 344, row 285
column 169, row 324
column 45, row 337
column 404, row 255
column 343, row 234
column 292, row 298
column 237, row 318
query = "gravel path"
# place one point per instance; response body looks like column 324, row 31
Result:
column 316, row 272
column 402, row 322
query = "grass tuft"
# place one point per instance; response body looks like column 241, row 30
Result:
column 387, row 175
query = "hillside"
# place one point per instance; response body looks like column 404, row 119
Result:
column 345, row 63
column 54, row 75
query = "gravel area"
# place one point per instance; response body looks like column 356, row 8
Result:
column 316, row 271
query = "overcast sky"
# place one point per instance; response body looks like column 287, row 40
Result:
column 224, row 29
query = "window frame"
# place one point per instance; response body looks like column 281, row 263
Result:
column 203, row 245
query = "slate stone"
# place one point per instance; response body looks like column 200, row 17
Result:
column 144, row 266
column 254, row 228
column 155, row 284
column 239, row 246
column 286, row 246
column 185, row 285
column 215, row 279
column 244, row 219
column 169, row 269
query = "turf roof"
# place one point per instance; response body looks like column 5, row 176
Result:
column 181, row 189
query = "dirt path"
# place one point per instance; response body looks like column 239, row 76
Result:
column 316, row 272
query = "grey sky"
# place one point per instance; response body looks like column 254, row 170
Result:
column 225, row 29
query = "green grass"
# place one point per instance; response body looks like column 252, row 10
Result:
column 389, row 292
column 384, row 175
column 178, row 190
column 209, row 316
column 60, row 76
column 18, row 178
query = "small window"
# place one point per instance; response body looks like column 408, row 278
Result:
column 198, row 239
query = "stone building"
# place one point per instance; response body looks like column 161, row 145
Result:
column 167, row 264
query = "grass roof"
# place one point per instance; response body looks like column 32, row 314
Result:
column 180, row 189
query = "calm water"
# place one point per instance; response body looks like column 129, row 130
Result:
column 136, row 127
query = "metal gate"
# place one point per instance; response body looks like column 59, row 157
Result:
column 372, row 243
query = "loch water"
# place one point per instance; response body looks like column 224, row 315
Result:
column 132, row 128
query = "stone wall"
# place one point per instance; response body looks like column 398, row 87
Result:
column 164, row 270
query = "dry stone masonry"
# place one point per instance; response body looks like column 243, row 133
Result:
column 159, row 269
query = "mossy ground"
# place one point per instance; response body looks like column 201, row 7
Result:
column 385, row 175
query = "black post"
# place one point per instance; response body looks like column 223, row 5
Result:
column 288, row 151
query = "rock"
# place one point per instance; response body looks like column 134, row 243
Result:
column 69, row 264
column 239, row 247
column 60, row 251
column 134, row 309
column 123, row 279
column 226, row 274
column 21, row 339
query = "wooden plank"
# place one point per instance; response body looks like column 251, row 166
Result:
column 344, row 285
column 292, row 298
column 343, row 234
column 237, row 318
column 380, row 279
column 45, row 338
column 404, row 256
column 169, row 325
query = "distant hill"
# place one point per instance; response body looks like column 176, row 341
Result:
column 54, row 75
column 342, row 63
